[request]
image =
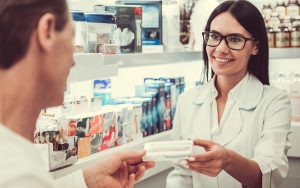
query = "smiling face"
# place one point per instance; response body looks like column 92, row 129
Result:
column 224, row 61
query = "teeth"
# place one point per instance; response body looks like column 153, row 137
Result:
column 222, row 60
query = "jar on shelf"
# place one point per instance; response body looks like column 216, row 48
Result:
column 295, row 33
column 274, row 21
column 271, row 37
column 280, row 9
column 266, row 11
column 287, row 21
column 282, row 37
column 292, row 9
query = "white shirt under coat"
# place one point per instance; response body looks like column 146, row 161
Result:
column 21, row 165
column 255, row 123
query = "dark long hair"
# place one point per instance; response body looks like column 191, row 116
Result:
column 251, row 19
column 18, row 20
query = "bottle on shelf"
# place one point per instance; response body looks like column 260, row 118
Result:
column 266, row 11
column 282, row 36
column 295, row 32
column 271, row 37
column 292, row 8
column 280, row 8
column 274, row 20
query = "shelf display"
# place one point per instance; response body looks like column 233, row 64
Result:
column 137, row 145
column 283, row 24
column 53, row 140
column 108, row 65
column 151, row 23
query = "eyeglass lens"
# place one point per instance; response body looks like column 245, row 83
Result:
column 234, row 42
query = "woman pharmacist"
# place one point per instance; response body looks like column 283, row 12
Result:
column 35, row 59
column 238, row 120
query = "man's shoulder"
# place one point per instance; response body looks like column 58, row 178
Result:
column 19, row 165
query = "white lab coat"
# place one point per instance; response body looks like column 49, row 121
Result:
column 256, row 128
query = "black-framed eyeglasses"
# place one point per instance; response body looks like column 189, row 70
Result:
column 233, row 41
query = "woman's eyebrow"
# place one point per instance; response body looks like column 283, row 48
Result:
column 239, row 34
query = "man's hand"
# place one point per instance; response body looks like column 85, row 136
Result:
column 118, row 171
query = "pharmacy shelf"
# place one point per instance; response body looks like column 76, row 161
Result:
column 132, row 146
column 158, row 58
column 91, row 67
column 284, row 53
column 294, row 138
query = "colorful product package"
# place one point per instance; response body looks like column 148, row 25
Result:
column 101, row 29
column 51, row 137
column 128, row 34
column 102, row 88
column 151, row 22
column 110, row 133
column 159, row 87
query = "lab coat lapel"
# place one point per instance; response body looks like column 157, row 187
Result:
column 248, row 99
column 201, row 117
column 201, row 121
column 232, row 127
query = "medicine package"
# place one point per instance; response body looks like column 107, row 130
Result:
column 168, row 150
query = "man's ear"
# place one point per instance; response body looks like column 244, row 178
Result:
column 255, row 49
column 46, row 31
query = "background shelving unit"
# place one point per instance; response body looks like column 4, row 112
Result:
column 158, row 58
column 90, row 67
column 132, row 146
column 93, row 66
column 284, row 53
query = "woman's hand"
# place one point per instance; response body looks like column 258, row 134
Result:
column 210, row 163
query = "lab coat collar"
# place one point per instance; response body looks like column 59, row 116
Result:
column 204, row 93
column 251, row 94
column 247, row 96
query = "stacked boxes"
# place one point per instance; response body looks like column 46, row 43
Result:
column 57, row 142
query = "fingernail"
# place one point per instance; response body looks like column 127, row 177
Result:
column 192, row 159
column 185, row 166
column 183, row 162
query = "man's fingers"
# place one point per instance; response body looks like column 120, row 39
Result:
column 146, row 165
column 132, row 157
column 131, row 181
column 140, row 173
column 149, row 164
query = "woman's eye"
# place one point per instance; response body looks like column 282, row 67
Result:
column 235, row 39
column 215, row 36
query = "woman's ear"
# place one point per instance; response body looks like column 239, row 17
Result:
column 255, row 49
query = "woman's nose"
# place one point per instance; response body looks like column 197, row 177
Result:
column 222, row 47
